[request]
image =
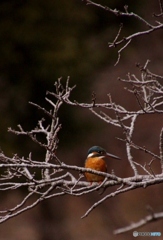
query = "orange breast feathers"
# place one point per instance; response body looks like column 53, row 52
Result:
column 97, row 164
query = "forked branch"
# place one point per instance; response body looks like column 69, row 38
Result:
column 51, row 177
column 124, row 41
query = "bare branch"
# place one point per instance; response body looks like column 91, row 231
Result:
column 150, row 218
column 106, row 197
column 127, row 39
column 120, row 50
column 56, row 178
column 161, row 149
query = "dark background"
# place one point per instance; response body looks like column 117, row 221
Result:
column 41, row 41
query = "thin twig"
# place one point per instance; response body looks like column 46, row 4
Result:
column 142, row 222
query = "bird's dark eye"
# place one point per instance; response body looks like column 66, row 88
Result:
column 101, row 152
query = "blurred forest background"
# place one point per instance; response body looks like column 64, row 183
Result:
column 42, row 41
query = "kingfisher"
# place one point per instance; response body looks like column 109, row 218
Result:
column 96, row 161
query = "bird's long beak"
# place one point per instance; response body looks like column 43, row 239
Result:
column 113, row 156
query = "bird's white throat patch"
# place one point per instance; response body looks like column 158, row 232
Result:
column 94, row 154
